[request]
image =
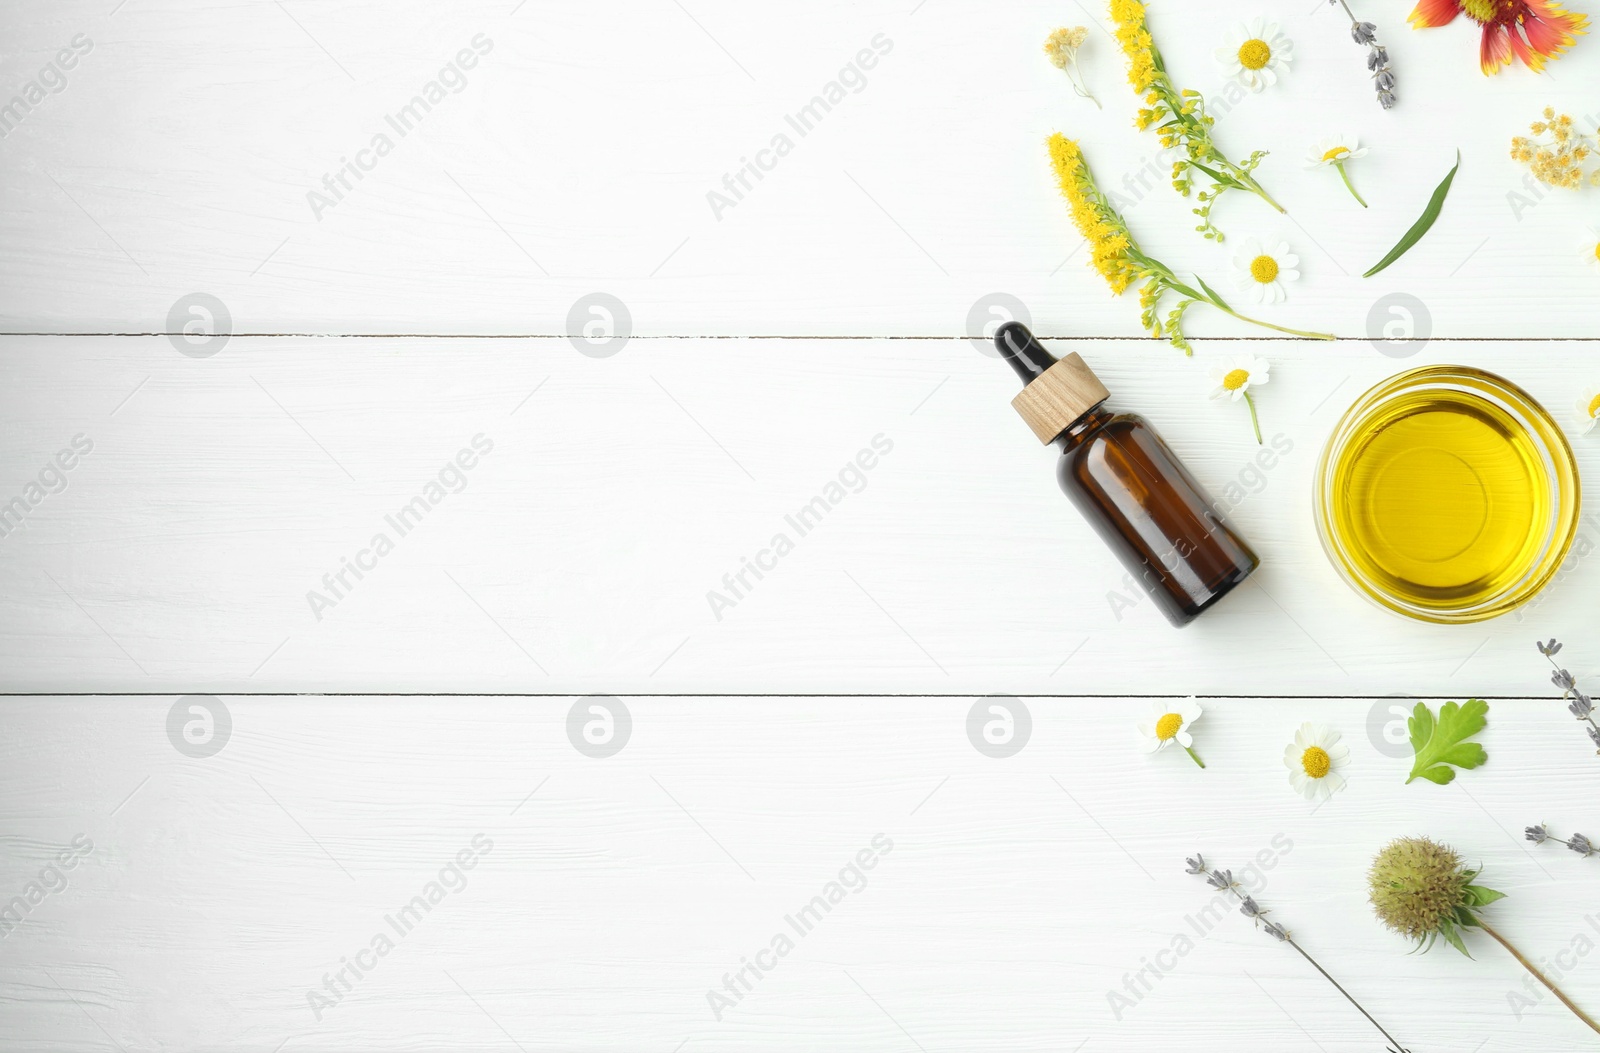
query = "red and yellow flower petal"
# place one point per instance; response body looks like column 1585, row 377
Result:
column 1550, row 28
column 1529, row 57
column 1430, row 13
column 1496, row 49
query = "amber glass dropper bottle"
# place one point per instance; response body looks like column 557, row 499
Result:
column 1128, row 483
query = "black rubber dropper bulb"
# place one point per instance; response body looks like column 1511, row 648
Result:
column 1019, row 347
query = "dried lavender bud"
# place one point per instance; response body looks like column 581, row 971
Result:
column 1537, row 834
column 1580, row 844
column 1274, row 929
column 1580, row 706
column 1594, row 734
column 1378, row 56
column 1384, row 79
column 1364, row 32
column 1386, row 99
column 1563, row 679
column 1250, row 908
column 1221, row 880
column 1197, row 865
column 1548, row 649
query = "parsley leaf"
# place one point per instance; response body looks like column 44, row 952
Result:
column 1441, row 743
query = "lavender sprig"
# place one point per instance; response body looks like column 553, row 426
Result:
column 1577, row 842
column 1377, row 56
column 1581, row 705
column 1222, row 880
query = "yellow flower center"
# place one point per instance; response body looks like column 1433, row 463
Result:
column 1485, row 10
column 1264, row 269
column 1168, row 726
column 1254, row 53
column 1597, row 250
column 1315, row 762
column 1235, row 379
column 1594, row 406
column 1336, row 153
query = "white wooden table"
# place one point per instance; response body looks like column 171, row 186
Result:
column 737, row 359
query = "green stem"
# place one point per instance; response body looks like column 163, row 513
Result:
column 1269, row 325
column 1347, row 184
column 1254, row 420
column 1537, row 975
column 1194, row 756
column 1256, row 188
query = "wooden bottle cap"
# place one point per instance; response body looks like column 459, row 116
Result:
column 1059, row 396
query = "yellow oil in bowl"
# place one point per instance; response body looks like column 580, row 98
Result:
column 1447, row 494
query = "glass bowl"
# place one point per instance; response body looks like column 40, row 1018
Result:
column 1447, row 494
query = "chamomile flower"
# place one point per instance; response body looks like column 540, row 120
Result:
column 1589, row 247
column 1588, row 408
column 1169, row 723
column 1314, row 760
column 1261, row 272
column 1333, row 152
column 1256, row 54
column 1233, row 378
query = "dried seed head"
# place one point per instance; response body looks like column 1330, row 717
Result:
column 1415, row 886
column 1363, row 32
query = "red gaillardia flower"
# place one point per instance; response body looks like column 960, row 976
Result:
column 1531, row 30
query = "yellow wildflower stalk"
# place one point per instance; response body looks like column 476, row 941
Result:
column 1559, row 160
column 1180, row 117
column 1121, row 262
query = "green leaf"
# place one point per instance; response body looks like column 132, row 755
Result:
column 1441, row 746
column 1219, row 301
column 1423, row 224
column 1447, row 929
column 1212, row 172
column 1482, row 897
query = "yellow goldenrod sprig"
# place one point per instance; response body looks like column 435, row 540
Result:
column 1115, row 254
column 1180, row 117
column 1560, row 159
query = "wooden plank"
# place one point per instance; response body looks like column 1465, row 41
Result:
column 578, row 154
column 581, row 554
column 1016, row 895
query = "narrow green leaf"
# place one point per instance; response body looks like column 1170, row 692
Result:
column 1423, row 223
column 1218, row 300
column 1213, row 173
column 1448, row 931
